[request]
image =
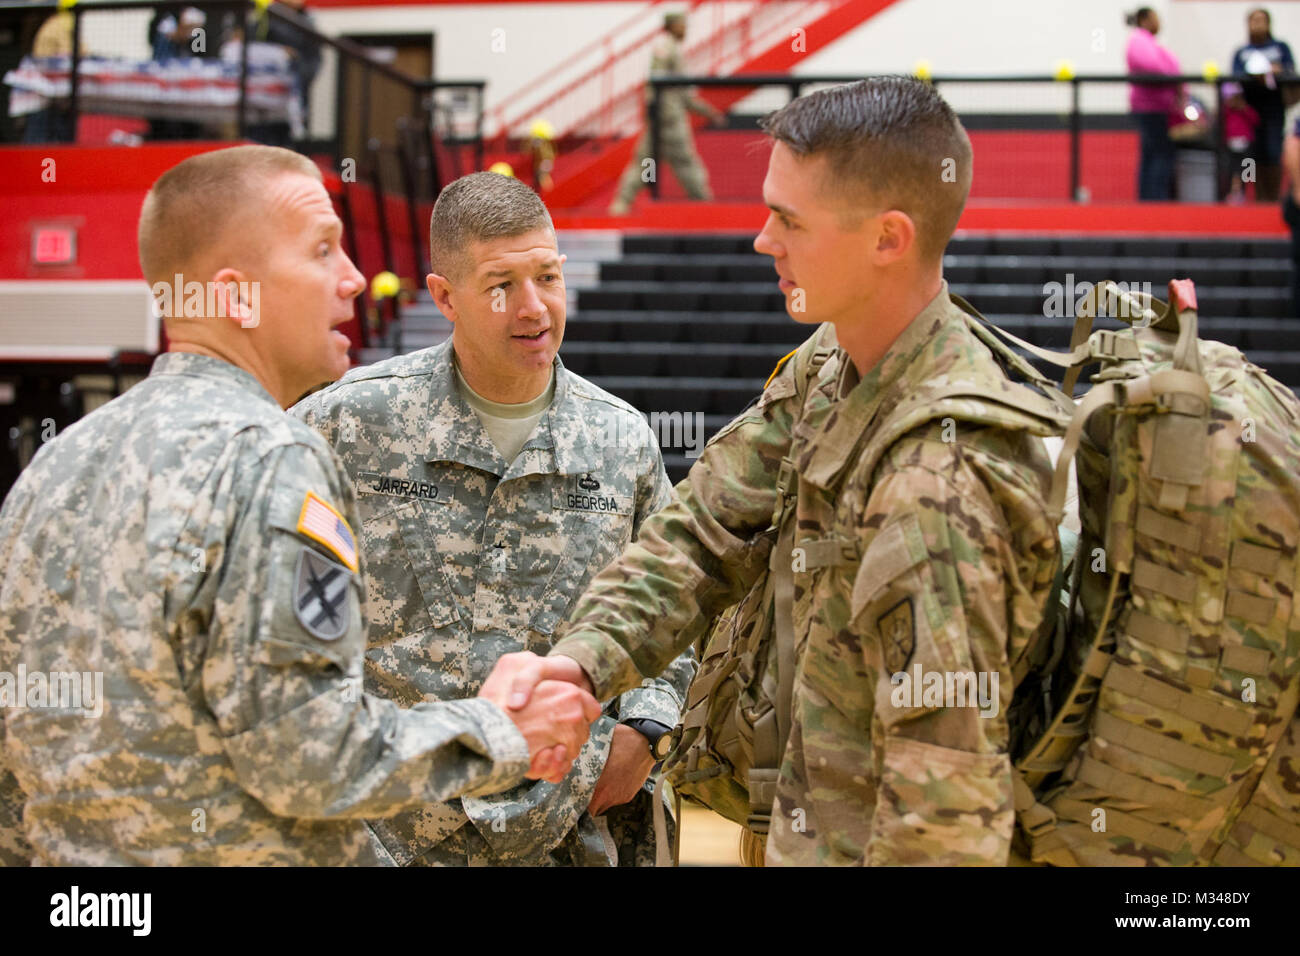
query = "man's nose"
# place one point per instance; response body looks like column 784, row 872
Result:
column 530, row 305
column 765, row 245
column 353, row 281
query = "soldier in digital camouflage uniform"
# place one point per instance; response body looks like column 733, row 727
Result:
column 676, row 144
column 933, row 550
column 493, row 483
column 192, row 543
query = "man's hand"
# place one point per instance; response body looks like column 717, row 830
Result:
column 555, row 722
column 626, row 769
column 515, row 676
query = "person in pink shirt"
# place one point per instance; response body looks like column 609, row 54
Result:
column 1151, row 105
column 1240, row 122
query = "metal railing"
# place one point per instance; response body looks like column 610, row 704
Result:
column 1059, row 107
column 599, row 92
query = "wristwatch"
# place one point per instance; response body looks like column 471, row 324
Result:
column 655, row 733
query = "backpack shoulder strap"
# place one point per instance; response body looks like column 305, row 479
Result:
column 770, row 739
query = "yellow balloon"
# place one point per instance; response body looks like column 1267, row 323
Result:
column 922, row 70
column 385, row 285
column 502, row 169
column 1209, row 69
column 1064, row 70
column 541, row 129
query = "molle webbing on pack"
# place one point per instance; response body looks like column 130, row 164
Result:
column 1179, row 678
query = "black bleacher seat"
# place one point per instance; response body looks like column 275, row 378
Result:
column 695, row 322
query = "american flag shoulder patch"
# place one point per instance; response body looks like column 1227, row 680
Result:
column 319, row 521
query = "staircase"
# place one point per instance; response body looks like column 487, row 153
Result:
column 595, row 100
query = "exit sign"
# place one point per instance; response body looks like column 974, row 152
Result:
column 54, row 245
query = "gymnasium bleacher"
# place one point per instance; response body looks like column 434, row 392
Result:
column 694, row 322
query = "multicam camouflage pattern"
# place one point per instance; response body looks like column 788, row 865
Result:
column 471, row 558
column 155, row 541
column 935, row 550
column 676, row 145
column 1192, row 753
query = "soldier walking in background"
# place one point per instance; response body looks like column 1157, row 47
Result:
column 676, row 144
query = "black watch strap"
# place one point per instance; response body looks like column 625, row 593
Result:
column 651, row 730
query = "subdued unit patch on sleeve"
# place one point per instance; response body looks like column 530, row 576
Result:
column 319, row 521
column 322, row 595
column 897, row 628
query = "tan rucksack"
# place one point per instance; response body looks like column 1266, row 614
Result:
column 1161, row 727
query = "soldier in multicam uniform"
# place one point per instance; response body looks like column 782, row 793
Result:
column 676, row 145
column 192, row 544
column 493, row 483
column 934, row 553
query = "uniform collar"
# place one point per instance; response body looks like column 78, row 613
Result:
column 562, row 441
column 833, row 430
column 206, row 366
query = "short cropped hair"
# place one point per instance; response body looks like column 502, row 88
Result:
column 477, row 208
column 189, row 210
column 890, row 141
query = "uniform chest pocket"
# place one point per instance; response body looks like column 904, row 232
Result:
column 591, row 541
column 408, row 591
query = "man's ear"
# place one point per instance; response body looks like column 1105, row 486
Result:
column 895, row 237
column 236, row 298
column 440, row 289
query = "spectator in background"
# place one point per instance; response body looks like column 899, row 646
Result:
column 1151, row 105
column 180, row 35
column 1266, row 60
column 53, row 124
column 1239, row 125
column 302, row 47
column 172, row 36
column 1291, row 210
column 280, row 45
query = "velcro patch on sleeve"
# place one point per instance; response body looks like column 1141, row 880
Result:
column 322, row 595
column 320, row 521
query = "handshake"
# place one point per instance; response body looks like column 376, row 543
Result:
column 550, row 701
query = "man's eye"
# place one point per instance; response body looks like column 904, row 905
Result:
column 550, row 277
column 324, row 249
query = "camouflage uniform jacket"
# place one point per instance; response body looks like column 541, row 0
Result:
column 471, row 558
column 158, row 542
column 668, row 59
column 937, row 556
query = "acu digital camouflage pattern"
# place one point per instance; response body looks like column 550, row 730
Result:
column 471, row 558
column 1192, row 752
column 949, row 523
column 155, row 541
